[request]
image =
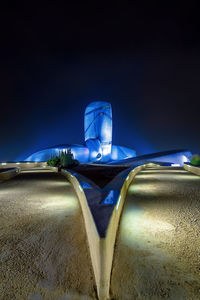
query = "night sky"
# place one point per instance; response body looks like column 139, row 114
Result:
column 144, row 59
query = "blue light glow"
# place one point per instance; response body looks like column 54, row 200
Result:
column 111, row 198
column 98, row 139
column 85, row 185
column 98, row 130
column 98, row 143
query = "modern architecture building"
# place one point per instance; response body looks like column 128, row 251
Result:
column 98, row 145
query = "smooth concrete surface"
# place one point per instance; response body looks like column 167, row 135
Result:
column 192, row 169
column 9, row 173
column 91, row 230
column 40, row 169
column 43, row 245
column 157, row 249
column 102, row 244
column 23, row 165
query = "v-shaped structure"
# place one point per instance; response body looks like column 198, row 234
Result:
column 101, row 208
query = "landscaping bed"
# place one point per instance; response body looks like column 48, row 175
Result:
column 100, row 175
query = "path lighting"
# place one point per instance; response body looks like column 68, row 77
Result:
column 118, row 202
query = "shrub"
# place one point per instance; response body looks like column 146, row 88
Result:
column 195, row 160
column 65, row 160
column 53, row 161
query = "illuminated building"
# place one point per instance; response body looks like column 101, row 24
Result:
column 98, row 145
column 98, row 139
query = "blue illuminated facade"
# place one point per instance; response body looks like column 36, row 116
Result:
column 98, row 139
column 98, row 130
column 98, row 145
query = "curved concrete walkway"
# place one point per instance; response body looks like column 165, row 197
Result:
column 157, row 254
column 43, row 247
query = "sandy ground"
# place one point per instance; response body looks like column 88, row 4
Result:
column 157, row 254
column 43, row 248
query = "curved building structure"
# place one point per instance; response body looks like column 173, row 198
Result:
column 98, row 145
column 98, row 130
column 80, row 152
column 98, row 139
column 171, row 157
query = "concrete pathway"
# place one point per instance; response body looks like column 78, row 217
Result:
column 157, row 254
column 43, row 247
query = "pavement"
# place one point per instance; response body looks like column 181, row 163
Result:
column 157, row 253
column 44, row 253
column 43, row 247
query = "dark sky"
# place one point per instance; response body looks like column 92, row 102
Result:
column 144, row 59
